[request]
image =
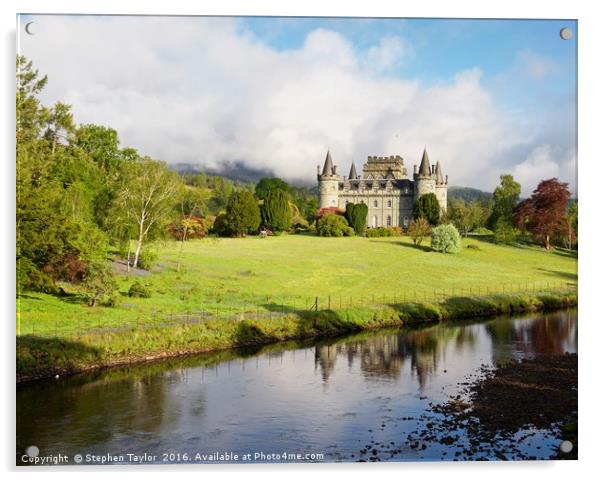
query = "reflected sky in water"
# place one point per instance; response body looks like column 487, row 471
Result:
column 329, row 397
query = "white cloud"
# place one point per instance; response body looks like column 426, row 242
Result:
column 206, row 91
column 535, row 66
column 542, row 163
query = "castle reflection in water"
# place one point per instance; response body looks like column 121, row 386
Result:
column 385, row 355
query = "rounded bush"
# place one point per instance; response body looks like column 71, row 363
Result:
column 332, row 225
column 139, row 290
column 445, row 239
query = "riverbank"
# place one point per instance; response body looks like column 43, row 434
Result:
column 509, row 403
column 39, row 357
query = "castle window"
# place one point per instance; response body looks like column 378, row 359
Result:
column 376, row 203
column 388, row 220
column 389, row 204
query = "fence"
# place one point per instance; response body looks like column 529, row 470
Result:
column 276, row 307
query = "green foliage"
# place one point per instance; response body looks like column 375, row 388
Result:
column 505, row 199
column 376, row 232
column 482, row 231
column 99, row 285
column 138, row 289
column 445, row 239
column 267, row 185
column 418, row 230
column 504, row 232
column 242, row 213
column 357, row 215
column 427, row 206
column 275, row 211
column 220, row 226
column 332, row 225
column 310, row 210
column 467, row 216
column 148, row 258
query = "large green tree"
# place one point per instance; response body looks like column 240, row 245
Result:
column 242, row 213
column 267, row 185
column 427, row 206
column 275, row 211
column 505, row 199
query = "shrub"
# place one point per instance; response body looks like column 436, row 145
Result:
column 139, row 290
column 427, row 206
column 275, row 211
column 504, row 232
column 99, row 286
column 418, row 230
column 376, row 232
column 356, row 215
column 220, row 226
column 242, row 213
column 332, row 225
column 147, row 259
column 445, row 239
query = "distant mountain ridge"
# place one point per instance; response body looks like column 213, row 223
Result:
column 467, row 194
column 240, row 173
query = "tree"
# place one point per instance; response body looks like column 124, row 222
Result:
column 275, row 211
column 572, row 222
column 445, row 239
column 504, row 232
column 99, row 286
column 242, row 213
column 505, row 199
column 310, row 210
column 357, row 215
column 427, row 206
column 145, row 199
column 191, row 204
column 267, row 185
column 333, row 225
column 59, row 124
column 466, row 216
column 418, row 230
column 544, row 213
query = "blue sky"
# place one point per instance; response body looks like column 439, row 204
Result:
column 442, row 47
column 486, row 96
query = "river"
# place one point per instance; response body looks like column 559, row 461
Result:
column 322, row 400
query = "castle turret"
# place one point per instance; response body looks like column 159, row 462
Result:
column 441, row 187
column 352, row 172
column 328, row 184
column 425, row 179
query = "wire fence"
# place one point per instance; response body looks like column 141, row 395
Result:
column 278, row 307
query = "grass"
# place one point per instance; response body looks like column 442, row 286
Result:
column 240, row 291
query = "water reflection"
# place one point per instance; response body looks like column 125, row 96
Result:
column 320, row 394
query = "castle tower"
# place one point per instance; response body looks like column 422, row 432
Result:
column 328, row 184
column 441, row 187
column 424, row 177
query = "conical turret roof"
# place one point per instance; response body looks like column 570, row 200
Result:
column 352, row 172
column 328, row 168
column 425, row 166
column 439, row 173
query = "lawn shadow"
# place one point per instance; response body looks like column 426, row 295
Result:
column 556, row 273
column 423, row 248
column 45, row 356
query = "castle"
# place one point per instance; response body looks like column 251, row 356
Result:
column 384, row 186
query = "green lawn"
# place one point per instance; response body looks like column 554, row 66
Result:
column 230, row 276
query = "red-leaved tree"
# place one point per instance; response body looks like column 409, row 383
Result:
column 544, row 213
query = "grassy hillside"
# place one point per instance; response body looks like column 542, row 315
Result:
column 224, row 277
column 235, row 292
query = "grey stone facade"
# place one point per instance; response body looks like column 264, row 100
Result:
column 384, row 186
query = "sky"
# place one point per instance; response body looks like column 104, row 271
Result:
column 485, row 97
